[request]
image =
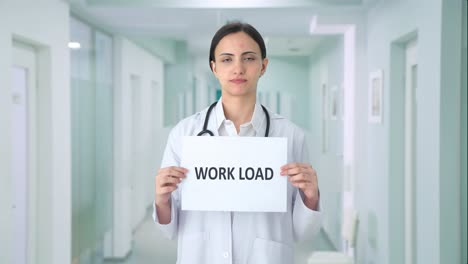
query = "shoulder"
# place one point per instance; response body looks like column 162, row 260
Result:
column 284, row 127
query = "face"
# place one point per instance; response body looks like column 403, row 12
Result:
column 238, row 64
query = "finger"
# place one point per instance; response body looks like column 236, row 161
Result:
column 173, row 168
column 164, row 189
column 302, row 185
column 293, row 165
column 296, row 170
column 168, row 189
column 304, row 176
column 170, row 180
column 176, row 174
column 289, row 165
column 163, row 180
column 300, row 178
column 173, row 173
column 180, row 169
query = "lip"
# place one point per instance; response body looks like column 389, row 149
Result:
column 238, row 81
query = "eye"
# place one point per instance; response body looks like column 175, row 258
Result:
column 226, row 60
column 249, row 58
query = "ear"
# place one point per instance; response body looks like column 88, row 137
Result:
column 264, row 66
column 213, row 67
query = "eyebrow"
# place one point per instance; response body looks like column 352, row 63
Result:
column 243, row 53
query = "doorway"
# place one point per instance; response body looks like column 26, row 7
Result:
column 402, row 158
column 137, row 146
column 411, row 77
column 24, row 166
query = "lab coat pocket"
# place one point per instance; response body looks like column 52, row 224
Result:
column 192, row 248
column 270, row 252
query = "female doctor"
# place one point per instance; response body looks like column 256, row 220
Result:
column 238, row 60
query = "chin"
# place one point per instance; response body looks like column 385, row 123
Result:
column 239, row 92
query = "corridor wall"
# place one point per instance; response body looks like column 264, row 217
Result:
column 179, row 77
column 463, row 135
column 19, row 22
column 288, row 76
column 326, row 131
column 138, row 140
column 205, row 83
column 437, row 193
column 92, row 139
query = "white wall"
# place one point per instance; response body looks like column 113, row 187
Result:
column 179, row 80
column 205, row 82
column 162, row 48
column 450, row 128
column 20, row 21
column 132, row 187
column 288, row 76
column 327, row 67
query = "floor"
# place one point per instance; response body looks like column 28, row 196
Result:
column 151, row 247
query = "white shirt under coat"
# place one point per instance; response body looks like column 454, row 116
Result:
column 238, row 237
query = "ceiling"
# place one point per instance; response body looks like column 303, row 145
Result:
column 285, row 24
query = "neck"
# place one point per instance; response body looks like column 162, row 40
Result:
column 239, row 109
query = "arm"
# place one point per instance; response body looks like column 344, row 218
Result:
column 166, row 205
column 167, row 181
column 304, row 177
column 163, row 212
column 307, row 216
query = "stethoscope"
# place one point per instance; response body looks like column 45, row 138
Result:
column 207, row 131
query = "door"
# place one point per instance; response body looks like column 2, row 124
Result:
column 411, row 76
column 137, row 149
column 23, row 100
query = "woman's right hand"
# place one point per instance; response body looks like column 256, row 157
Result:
column 166, row 182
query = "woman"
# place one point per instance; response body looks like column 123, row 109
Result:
column 238, row 60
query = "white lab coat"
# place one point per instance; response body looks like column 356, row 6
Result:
column 266, row 238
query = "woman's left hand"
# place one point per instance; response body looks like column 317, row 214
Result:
column 304, row 177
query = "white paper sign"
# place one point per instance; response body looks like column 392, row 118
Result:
column 234, row 174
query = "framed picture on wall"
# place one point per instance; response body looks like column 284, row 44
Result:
column 375, row 102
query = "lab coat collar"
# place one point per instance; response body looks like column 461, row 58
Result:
column 219, row 114
column 258, row 118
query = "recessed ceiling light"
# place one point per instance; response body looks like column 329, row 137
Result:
column 74, row 45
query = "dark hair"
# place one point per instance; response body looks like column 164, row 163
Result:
column 234, row 27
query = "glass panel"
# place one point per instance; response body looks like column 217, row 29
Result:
column 82, row 156
column 92, row 138
column 104, row 133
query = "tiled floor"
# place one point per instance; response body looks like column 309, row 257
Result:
column 151, row 247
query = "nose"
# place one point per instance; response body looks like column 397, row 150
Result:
column 239, row 68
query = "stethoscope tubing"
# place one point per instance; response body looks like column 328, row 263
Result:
column 207, row 117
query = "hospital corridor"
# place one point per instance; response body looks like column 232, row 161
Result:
column 90, row 91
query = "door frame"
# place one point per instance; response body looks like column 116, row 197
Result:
column 396, row 184
column 26, row 56
column 410, row 150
